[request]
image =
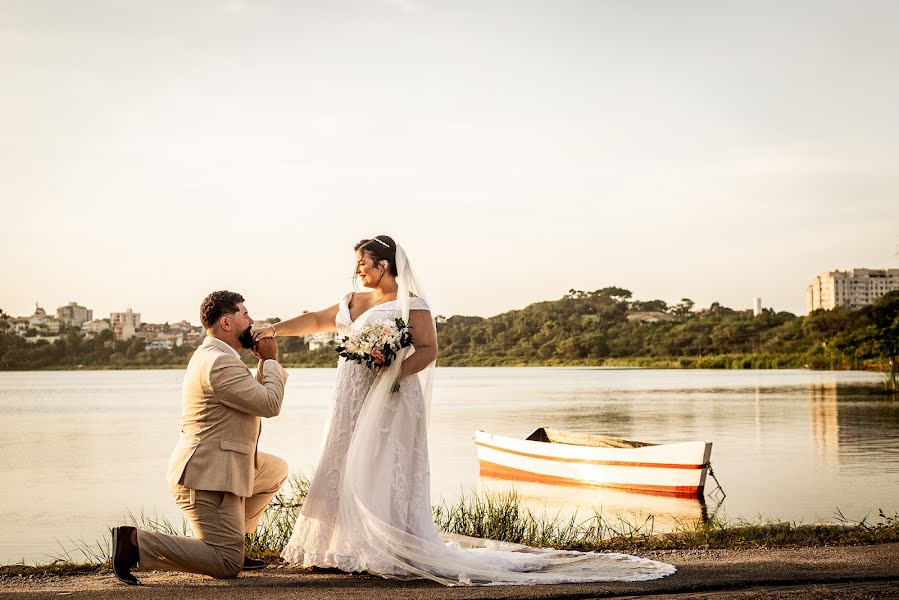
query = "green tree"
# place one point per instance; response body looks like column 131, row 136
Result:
column 649, row 305
column 683, row 308
column 880, row 334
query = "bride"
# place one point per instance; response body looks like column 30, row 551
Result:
column 368, row 506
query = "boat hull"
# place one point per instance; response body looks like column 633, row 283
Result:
column 677, row 469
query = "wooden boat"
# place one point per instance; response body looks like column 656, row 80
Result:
column 554, row 456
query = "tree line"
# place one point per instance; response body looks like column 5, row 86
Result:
column 581, row 328
column 72, row 351
column 592, row 328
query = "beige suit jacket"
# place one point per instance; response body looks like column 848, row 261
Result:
column 220, row 419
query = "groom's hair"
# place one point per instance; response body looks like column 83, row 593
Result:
column 380, row 247
column 217, row 304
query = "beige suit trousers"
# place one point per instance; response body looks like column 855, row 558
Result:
column 219, row 521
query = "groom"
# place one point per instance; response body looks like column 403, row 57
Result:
column 216, row 475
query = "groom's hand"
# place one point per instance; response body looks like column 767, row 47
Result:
column 266, row 349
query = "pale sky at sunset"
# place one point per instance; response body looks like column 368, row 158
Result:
column 151, row 152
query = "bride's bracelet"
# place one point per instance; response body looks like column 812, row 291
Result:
column 274, row 331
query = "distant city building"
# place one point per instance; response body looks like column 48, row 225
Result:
column 19, row 325
column 74, row 315
column 164, row 343
column 151, row 331
column 159, row 345
column 43, row 323
column 756, row 307
column 93, row 328
column 853, row 288
column 182, row 326
column 124, row 324
column 195, row 336
column 648, row 316
column 46, row 338
column 321, row 340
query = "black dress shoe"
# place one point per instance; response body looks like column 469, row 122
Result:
column 251, row 564
column 124, row 555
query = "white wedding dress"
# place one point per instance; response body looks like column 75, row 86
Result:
column 319, row 537
column 368, row 507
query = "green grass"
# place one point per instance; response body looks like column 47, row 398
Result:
column 736, row 534
column 501, row 516
column 276, row 524
column 54, row 568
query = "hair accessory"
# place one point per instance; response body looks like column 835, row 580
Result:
column 385, row 244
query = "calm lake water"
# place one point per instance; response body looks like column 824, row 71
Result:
column 79, row 449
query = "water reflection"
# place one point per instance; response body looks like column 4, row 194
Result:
column 850, row 422
column 825, row 424
column 563, row 501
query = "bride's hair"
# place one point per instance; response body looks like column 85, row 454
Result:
column 380, row 247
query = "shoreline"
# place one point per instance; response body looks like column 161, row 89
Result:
column 823, row 572
column 708, row 535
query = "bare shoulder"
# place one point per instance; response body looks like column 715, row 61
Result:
column 358, row 299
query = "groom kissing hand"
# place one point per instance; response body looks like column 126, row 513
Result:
column 216, row 474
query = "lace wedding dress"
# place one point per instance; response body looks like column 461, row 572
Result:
column 368, row 506
column 319, row 537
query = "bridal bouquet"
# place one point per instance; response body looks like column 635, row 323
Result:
column 376, row 344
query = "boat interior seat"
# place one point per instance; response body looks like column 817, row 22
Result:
column 557, row 436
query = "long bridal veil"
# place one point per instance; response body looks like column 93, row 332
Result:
column 389, row 428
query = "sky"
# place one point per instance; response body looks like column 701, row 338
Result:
column 152, row 152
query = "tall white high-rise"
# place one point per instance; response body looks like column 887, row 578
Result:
column 853, row 288
column 757, row 307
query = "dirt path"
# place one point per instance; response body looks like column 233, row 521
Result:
column 855, row 572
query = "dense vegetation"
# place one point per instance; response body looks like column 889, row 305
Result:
column 72, row 351
column 592, row 328
column 581, row 328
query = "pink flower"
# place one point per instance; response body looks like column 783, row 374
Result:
column 378, row 356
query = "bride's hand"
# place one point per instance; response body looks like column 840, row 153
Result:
column 265, row 332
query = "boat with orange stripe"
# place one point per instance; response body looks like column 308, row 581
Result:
column 555, row 456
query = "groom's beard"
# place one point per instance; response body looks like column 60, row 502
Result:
column 246, row 339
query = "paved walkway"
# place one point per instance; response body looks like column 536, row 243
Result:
column 820, row 573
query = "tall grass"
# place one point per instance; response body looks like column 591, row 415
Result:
column 274, row 528
column 501, row 516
